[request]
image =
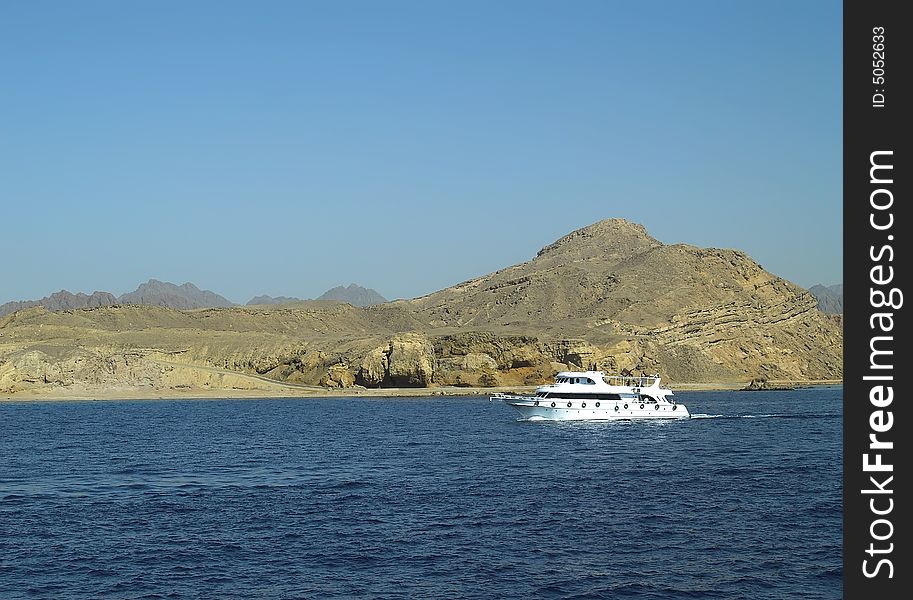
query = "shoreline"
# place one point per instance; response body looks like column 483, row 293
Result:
column 110, row 394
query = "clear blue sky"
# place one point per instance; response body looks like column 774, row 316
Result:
column 284, row 148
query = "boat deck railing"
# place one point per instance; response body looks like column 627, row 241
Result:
column 630, row 381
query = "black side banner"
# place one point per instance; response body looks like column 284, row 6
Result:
column 876, row 174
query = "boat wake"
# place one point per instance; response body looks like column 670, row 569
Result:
column 764, row 416
column 770, row 416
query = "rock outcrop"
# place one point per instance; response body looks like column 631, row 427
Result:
column 405, row 360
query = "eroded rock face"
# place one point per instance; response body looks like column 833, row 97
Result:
column 406, row 360
column 477, row 361
column 411, row 361
column 338, row 376
column 374, row 367
column 67, row 367
column 576, row 353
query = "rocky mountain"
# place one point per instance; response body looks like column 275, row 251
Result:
column 692, row 312
column 270, row 300
column 830, row 298
column 151, row 293
column 62, row 300
column 354, row 295
column 183, row 297
column 161, row 293
column 607, row 296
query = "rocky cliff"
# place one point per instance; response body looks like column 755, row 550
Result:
column 607, row 296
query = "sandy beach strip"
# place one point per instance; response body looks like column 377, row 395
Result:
column 56, row 394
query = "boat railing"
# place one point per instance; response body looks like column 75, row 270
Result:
column 505, row 395
column 630, row 381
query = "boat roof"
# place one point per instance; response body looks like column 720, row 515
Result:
column 580, row 374
column 600, row 374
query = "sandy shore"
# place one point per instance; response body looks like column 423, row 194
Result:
column 279, row 391
column 296, row 392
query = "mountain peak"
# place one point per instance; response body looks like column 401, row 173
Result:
column 829, row 297
column 185, row 296
column 607, row 237
column 354, row 294
column 267, row 299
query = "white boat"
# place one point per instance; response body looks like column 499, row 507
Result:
column 595, row 396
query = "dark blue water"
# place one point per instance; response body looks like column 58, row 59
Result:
column 420, row 498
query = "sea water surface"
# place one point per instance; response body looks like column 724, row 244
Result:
column 420, row 498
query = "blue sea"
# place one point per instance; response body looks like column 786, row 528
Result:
column 420, row 498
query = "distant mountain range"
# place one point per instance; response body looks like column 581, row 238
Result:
column 352, row 294
column 168, row 295
column 182, row 297
column 62, row 300
column 270, row 300
column 830, row 298
column 188, row 296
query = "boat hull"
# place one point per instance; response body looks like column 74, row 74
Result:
column 537, row 409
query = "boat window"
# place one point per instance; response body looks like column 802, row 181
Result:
column 589, row 381
column 585, row 396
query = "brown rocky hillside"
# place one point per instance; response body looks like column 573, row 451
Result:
column 607, row 296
